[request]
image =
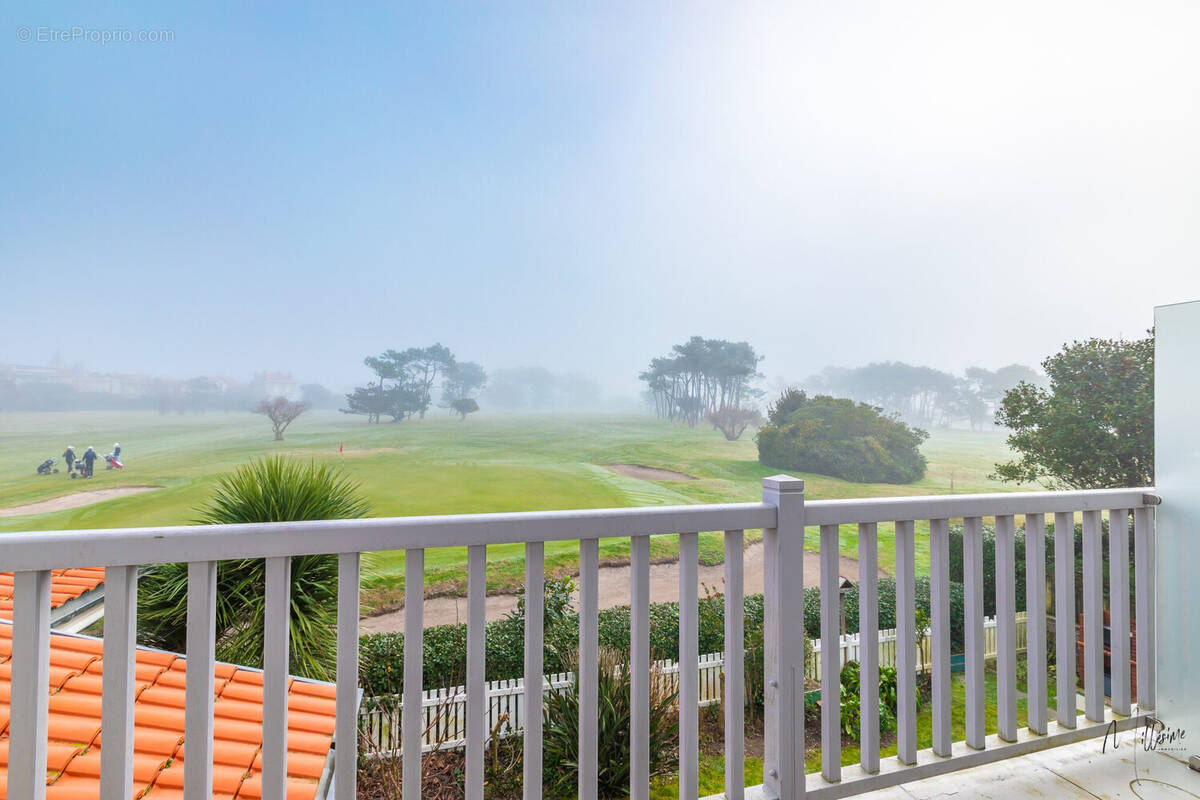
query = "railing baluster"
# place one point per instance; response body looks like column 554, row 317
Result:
column 1118, row 608
column 783, row 647
column 735, row 674
column 476, row 733
column 831, row 656
column 29, row 696
column 1143, row 540
column 868, row 632
column 535, row 577
column 689, row 676
column 973, row 596
column 1093, row 618
column 1035, row 621
column 906, row 644
column 1006, row 629
column 117, row 684
column 588, row 674
column 639, row 647
column 1064, row 618
column 413, row 723
column 199, row 682
column 939, row 620
column 276, row 621
column 345, row 775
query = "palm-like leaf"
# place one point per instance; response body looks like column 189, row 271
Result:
column 560, row 728
column 275, row 489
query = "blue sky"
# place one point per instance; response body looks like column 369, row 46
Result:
column 579, row 186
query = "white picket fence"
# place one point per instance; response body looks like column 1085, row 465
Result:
column 851, row 646
column 443, row 711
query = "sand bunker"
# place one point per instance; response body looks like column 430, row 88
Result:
column 73, row 501
column 649, row 473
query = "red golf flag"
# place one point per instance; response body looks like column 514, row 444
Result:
column 340, row 447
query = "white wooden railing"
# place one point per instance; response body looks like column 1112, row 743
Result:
column 783, row 516
column 444, row 710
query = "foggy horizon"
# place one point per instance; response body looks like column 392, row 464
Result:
column 581, row 188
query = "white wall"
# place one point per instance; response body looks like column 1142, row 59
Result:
column 1177, row 477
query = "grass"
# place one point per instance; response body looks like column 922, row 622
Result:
column 441, row 466
column 712, row 765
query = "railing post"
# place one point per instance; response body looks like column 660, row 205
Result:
column 783, row 640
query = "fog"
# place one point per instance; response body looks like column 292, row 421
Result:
column 576, row 188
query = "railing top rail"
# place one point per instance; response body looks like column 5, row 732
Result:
column 119, row 547
column 957, row 506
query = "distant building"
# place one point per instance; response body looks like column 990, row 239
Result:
column 275, row 384
column 225, row 384
column 131, row 386
column 117, row 384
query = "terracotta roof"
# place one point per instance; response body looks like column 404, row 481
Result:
column 65, row 586
column 73, row 752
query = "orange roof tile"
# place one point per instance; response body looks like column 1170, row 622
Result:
column 65, row 586
column 73, row 749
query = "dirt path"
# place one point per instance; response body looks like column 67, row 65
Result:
column 74, row 500
column 614, row 590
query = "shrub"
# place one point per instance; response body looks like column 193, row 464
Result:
column 464, row 406
column 989, row 564
column 842, row 438
column 381, row 655
column 733, row 420
column 275, row 489
column 560, row 732
column 887, row 608
column 850, row 699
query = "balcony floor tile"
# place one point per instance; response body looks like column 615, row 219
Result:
column 1073, row 771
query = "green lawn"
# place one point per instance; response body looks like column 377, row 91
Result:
column 712, row 766
column 441, row 466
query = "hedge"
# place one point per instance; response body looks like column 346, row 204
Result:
column 887, row 608
column 989, row 563
column 381, row 655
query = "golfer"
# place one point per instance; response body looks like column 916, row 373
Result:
column 89, row 462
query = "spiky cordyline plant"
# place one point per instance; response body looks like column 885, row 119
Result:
column 275, row 489
column 560, row 731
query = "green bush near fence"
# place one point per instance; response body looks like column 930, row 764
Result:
column 887, row 608
column 381, row 655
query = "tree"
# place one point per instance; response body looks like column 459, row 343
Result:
column 733, row 420
column 369, row 400
column 920, row 395
column 282, row 412
column 788, row 403
column 464, row 406
column 842, row 438
column 317, row 396
column 411, row 373
column 701, row 375
column 1093, row 428
column 276, row 489
column 423, row 366
column 461, row 381
column 527, row 388
column 203, row 394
